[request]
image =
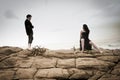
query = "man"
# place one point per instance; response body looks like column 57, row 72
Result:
column 29, row 31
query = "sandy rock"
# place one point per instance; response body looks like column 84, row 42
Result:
column 78, row 74
column 117, row 66
column 107, row 50
column 6, row 75
column 109, row 77
column 25, row 53
column 44, row 79
column 25, row 73
column 64, row 51
column 8, row 63
column 52, row 73
column 107, row 54
column 93, row 63
column 9, row 50
column 25, row 79
column 66, row 63
column 25, row 62
column 97, row 75
column 18, row 64
column 116, row 52
column 116, row 71
column 58, row 73
column 109, row 58
column 84, row 55
column 59, row 54
column 44, row 63
column 2, row 56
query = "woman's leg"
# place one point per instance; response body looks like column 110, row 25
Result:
column 95, row 46
column 82, row 44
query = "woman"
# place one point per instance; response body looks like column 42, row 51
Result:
column 85, row 43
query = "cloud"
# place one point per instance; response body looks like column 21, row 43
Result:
column 9, row 14
column 109, row 8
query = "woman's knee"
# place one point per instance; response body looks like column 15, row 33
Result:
column 82, row 40
column 90, row 42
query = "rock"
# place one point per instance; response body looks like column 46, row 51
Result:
column 52, row 73
column 59, row 54
column 25, row 52
column 116, row 52
column 84, row 55
column 117, row 66
column 109, row 58
column 8, row 63
column 44, row 63
column 44, row 79
column 25, row 73
column 18, row 64
column 6, row 75
column 3, row 58
column 23, row 79
column 116, row 71
column 78, row 74
column 107, row 50
column 97, row 75
column 9, row 50
column 25, row 62
column 109, row 77
column 107, row 54
column 67, row 51
column 93, row 63
column 66, row 63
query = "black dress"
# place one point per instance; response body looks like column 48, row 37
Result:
column 85, row 36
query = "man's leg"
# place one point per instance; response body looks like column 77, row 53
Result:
column 30, row 39
column 29, row 45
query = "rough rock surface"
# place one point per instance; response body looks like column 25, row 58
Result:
column 19, row 64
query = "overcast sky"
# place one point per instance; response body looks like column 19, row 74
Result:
column 58, row 22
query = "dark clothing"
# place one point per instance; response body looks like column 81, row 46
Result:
column 85, row 36
column 29, row 31
column 30, row 38
column 28, row 27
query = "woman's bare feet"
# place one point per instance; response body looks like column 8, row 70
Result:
column 101, row 51
column 82, row 51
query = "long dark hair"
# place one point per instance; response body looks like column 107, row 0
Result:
column 85, row 28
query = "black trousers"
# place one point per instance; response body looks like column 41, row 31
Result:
column 30, row 38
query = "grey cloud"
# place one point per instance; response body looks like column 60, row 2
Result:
column 109, row 8
column 9, row 14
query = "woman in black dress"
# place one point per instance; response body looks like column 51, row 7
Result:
column 85, row 42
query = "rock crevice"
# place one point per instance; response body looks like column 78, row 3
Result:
column 17, row 63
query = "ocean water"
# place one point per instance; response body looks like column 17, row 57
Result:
column 110, row 44
column 106, row 36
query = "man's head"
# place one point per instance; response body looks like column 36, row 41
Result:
column 29, row 17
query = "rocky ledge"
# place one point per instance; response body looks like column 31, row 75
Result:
column 21, row 64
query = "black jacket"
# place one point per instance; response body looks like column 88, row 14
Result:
column 28, row 27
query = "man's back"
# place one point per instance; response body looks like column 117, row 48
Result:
column 28, row 27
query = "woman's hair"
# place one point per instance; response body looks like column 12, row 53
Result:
column 85, row 28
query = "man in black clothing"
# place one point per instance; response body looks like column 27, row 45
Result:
column 29, row 31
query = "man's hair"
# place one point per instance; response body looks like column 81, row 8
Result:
column 28, row 16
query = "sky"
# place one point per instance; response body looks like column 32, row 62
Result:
column 57, row 23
